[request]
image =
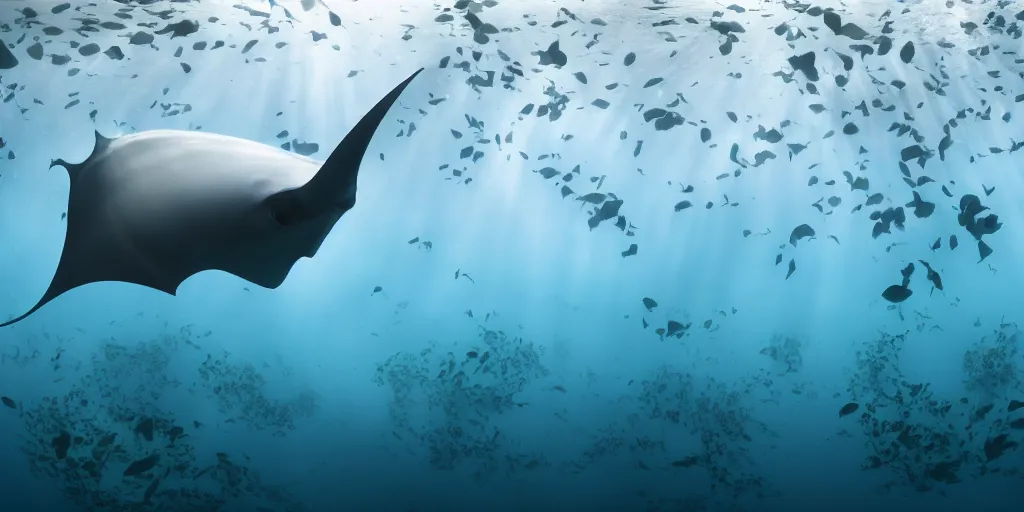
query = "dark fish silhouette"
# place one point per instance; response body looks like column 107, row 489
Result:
column 145, row 429
column 142, row 465
column 897, row 293
column 61, row 444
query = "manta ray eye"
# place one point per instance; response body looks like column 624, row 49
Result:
column 286, row 209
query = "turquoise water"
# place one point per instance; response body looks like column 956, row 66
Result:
column 641, row 270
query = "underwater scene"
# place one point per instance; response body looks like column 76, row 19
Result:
column 511, row 255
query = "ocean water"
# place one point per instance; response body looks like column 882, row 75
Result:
column 644, row 255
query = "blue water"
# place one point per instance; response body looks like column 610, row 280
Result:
column 480, row 332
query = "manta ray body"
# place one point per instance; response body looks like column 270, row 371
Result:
column 157, row 207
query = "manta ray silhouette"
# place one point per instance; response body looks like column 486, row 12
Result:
column 157, row 207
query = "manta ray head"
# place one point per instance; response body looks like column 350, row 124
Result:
column 291, row 223
column 288, row 219
column 302, row 217
column 290, row 208
column 274, row 234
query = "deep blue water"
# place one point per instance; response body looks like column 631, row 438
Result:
column 694, row 256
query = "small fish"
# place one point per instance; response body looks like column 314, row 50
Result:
column 286, row 12
column 907, row 273
column 982, row 412
column 8, row 402
column 593, row 198
column 933, row 276
column 145, row 429
column 800, row 232
column 685, row 462
column 61, row 444
column 142, row 465
column 849, row 408
column 151, row 490
column 175, row 432
column 897, row 293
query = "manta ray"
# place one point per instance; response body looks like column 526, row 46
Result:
column 156, row 207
